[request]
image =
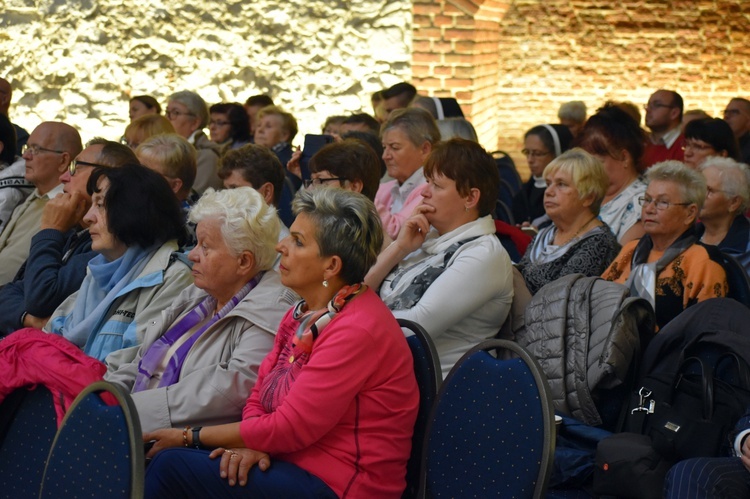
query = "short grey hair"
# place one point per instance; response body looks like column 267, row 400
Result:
column 417, row 123
column 735, row 178
column 194, row 103
column 574, row 111
column 457, row 127
column 346, row 225
column 691, row 182
column 247, row 222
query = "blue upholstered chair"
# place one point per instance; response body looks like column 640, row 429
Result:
column 427, row 372
column 98, row 450
column 28, row 424
column 491, row 433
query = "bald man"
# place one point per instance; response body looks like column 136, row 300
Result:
column 61, row 250
column 51, row 147
column 6, row 94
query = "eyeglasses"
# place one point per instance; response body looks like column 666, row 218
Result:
column 655, row 105
column 133, row 145
column 319, row 181
column 535, row 154
column 696, row 146
column 169, row 113
column 35, row 149
column 73, row 166
column 218, row 123
column 660, row 204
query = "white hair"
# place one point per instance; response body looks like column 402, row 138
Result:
column 247, row 222
column 735, row 177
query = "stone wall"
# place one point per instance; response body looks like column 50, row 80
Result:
column 79, row 60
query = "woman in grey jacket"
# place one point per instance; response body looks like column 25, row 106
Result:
column 199, row 361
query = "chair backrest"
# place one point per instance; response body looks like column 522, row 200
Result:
column 491, row 433
column 28, row 423
column 507, row 169
column 737, row 279
column 504, row 213
column 427, row 371
column 98, row 451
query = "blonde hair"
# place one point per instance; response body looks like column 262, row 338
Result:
column 587, row 172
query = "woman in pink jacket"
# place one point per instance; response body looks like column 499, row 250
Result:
column 333, row 410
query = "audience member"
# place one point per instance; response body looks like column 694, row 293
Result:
column 145, row 127
column 668, row 266
column 737, row 114
column 709, row 137
column 253, row 104
column 6, row 95
column 61, row 250
column 224, row 324
column 440, row 108
column 617, row 141
column 573, row 115
column 722, row 219
column 447, row 270
column 577, row 242
column 350, row 164
column 276, row 129
column 189, row 116
column 408, row 137
column 229, row 125
column 398, row 96
column 332, row 126
column 360, row 122
column 631, row 110
column 692, row 114
column 134, row 223
column 663, row 118
column 14, row 187
column 541, row 145
column 457, row 127
column 372, row 140
column 143, row 105
column 50, row 149
column 333, row 424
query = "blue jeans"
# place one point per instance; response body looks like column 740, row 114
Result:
column 186, row 473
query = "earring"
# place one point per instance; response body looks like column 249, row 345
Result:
column 325, row 283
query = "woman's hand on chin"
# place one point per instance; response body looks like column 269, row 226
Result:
column 163, row 439
column 236, row 463
column 413, row 232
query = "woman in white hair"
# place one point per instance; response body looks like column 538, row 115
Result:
column 199, row 361
column 723, row 222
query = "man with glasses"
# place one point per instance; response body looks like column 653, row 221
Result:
column 737, row 115
column 664, row 118
column 61, row 250
column 50, row 149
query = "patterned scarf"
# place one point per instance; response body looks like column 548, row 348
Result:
column 153, row 357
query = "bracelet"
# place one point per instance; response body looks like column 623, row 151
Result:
column 23, row 318
column 197, row 438
column 184, row 436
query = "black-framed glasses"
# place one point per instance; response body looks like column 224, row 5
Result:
column 169, row 113
column 219, row 123
column 661, row 205
column 696, row 146
column 35, row 149
column 535, row 154
column 319, row 181
column 73, row 166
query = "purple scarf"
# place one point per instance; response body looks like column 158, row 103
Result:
column 152, row 358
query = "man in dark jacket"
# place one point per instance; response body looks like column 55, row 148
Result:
column 61, row 250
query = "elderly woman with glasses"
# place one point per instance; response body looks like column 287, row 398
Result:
column 333, row 410
column 669, row 266
column 722, row 219
column 229, row 125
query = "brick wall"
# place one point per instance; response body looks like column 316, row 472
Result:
column 546, row 52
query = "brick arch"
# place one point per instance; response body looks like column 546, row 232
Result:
column 455, row 53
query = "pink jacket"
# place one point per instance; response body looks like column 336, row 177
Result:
column 349, row 413
column 31, row 357
column 383, row 200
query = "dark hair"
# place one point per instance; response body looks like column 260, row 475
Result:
column 148, row 101
column 469, row 166
column 259, row 101
column 717, row 133
column 257, row 165
column 373, row 140
column 141, row 208
column 404, row 91
column 610, row 131
column 351, row 159
column 113, row 153
column 333, row 120
column 237, row 119
column 364, row 119
column 563, row 135
column 8, row 138
column 677, row 102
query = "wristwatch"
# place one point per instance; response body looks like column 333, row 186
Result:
column 197, row 438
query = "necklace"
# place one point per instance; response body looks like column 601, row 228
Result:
column 578, row 232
